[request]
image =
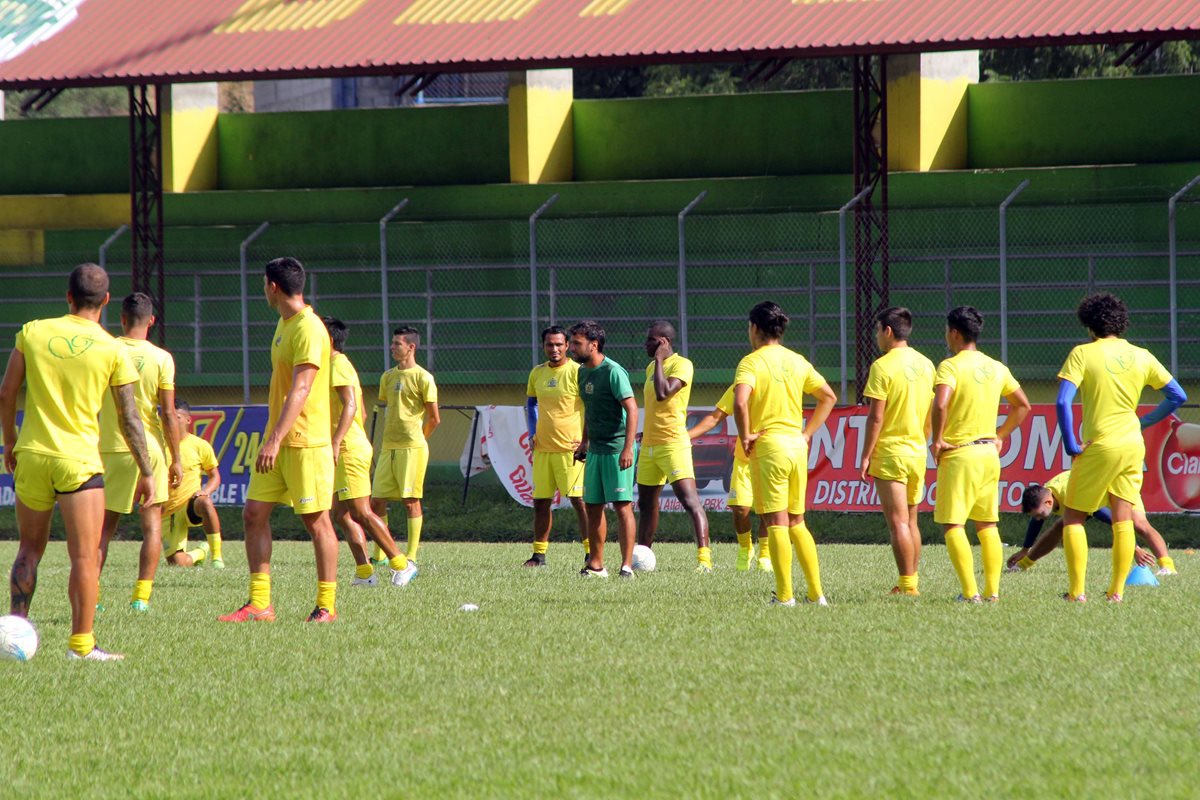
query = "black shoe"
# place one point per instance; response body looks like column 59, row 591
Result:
column 536, row 560
column 626, row 572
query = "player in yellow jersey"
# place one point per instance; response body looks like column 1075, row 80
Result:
column 1040, row 502
column 67, row 365
column 768, row 407
column 409, row 396
column 295, row 460
column 190, row 505
column 554, row 414
column 155, row 392
column 966, row 448
column 1107, row 468
column 900, row 388
column 666, row 453
column 352, row 474
column 741, row 490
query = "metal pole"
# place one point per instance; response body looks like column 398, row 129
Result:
column 535, row 350
column 103, row 261
column 312, row 290
column 429, row 318
column 196, row 361
column 681, row 279
column 1004, row 268
column 383, row 280
column 858, row 198
column 259, row 231
column 1172, row 278
column 470, row 457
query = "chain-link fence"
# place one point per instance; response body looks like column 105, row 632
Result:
column 481, row 290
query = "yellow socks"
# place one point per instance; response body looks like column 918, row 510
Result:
column 964, row 562
column 1076, row 549
column 141, row 591
column 909, row 584
column 781, row 560
column 1166, row 562
column 704, row 557
column 806, row 552
column 1122, row 556
column 260, row 590
column 214, row 546
column 363, row 571
column 764, row 548
column 991, row 553
column 541, row 547
column 745, row 540
column 82, row 643
column 326, row 595
column 399, row 562
column 1025, row 563
column 414, row 536
column 587, row 545
column 196, row 555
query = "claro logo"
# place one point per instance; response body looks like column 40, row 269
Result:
column 1177, row 462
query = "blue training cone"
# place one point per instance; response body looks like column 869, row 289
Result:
column 1141, row 576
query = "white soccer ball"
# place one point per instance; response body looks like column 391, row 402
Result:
column 644, row 559
column 18, row 639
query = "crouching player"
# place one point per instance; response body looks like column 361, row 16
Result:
column 190, row 504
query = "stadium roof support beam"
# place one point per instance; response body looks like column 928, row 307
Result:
column 871, row 280
column 146, row 197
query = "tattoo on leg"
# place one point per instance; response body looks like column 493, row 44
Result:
column 22, row 582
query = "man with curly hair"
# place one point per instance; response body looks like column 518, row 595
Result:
column 1107, row 468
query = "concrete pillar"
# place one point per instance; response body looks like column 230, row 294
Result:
column 541, row 147
column 189, row 129
column 927, row 109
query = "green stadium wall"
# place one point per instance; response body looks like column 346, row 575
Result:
column 64, row 156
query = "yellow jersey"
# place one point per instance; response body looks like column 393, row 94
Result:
column 343, row 373
column 300, row 339
column 725, row 406
column 156, row 370
column 1111, row 374
column 978, row 382
column 903, row 379
column 778, row 378
column 196, row 456
column 560, row 409
column 405, row 392
column 666, row 421
column 70, row 365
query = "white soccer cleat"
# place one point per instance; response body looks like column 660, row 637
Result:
column 588, row 572
column 1165, row 571
column 820, row 601
column 403, row 577
column 775, row 601
column 371, row 581
column 95, row 655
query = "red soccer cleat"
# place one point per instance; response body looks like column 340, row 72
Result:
column 321, row 615
column 249, row 613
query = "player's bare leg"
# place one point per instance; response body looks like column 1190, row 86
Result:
column 256, row 517
column 689, row 497
column 108, row 530
column 34, row 529
column 626, row 532
column 320, row 528
column 597, row 533
column 82, row 514
column 362, row 513
column 893, row 496
column 647, row 521
column 151, row 550
column 356, row 538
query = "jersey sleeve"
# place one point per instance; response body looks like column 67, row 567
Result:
column 20, row 340
column 1072, row 368
column 945, row 375
column 340, row 374
column 308, row 345
column 1157, row 376
column 383, row 389
column 619, row 382
column 208, row 457
column 725, row 404
column 123, row 371
column 166, row 372
column 428, row 389
column 1010, row 383
column 878, row 383
column 745, row 373
column 683, row 369
column 531, row 384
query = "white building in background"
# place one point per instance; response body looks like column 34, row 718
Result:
column 323, row 94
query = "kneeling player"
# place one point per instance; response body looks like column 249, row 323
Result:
column 189, row 505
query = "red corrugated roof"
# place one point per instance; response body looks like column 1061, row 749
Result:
column 162, row 41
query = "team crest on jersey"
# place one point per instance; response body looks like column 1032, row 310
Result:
column 552, row 383
column 587, row 388
column 914, row 372
column 1119, row 363
column 68, row 348
column 985, row 373
column 278, row 341
column 139, row 362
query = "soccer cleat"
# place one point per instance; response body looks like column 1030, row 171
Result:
column 378, row 562
column 371, row 581
column 905, row 592
column 403, row 577
column 704, row 569
column 1112, row 598
column 775, row 601
column 249, row 613
column 217, row 563
column 1072, row 599
column 1013, row 569
column 203, row 546
column 99, row 607
column 744, row 558
column 1165, row 571
column 626, row 572
column 96, row 654
column 321, row 615
column 140, row 606
column 820, row 601
column 764, row 564
column 536, row 560
column 972, row 599
column 992, row 598
column 588, row 572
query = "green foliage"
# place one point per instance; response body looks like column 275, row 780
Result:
column 108, row 101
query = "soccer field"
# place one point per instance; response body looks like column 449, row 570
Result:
column 668, row 686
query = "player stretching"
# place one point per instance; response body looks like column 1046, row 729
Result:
column 900, row 387
column 1108, row 466
column 609, row 428
column 768, row 407
column 408, row 393
column 352, row 473
column 966, row 448
column 554, row 414
column 1040, row 502
column 155, row 393
column 189, row 505
column 666, row 454
column 295, row 461
column 741, row 490
column 70, row 362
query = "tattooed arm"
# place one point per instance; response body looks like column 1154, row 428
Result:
column 130, row 421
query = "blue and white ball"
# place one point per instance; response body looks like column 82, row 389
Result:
column 18, row 639
column 644, row 559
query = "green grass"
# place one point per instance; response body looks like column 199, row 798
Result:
column 674, row 685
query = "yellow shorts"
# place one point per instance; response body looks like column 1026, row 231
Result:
column 741, row 486
column 968, row 485
column 301, row 478
column 121, row 476
column 1098, row 472
column 556, row 472
column 659, row 464
column 909, row 470
column 400, row 474
column 352, row 475
column 779, row 475
column 175, row 532
column 40, row 478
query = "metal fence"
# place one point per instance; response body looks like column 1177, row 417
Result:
column 481, row 290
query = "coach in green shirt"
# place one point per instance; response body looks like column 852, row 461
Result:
column 610, row 416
